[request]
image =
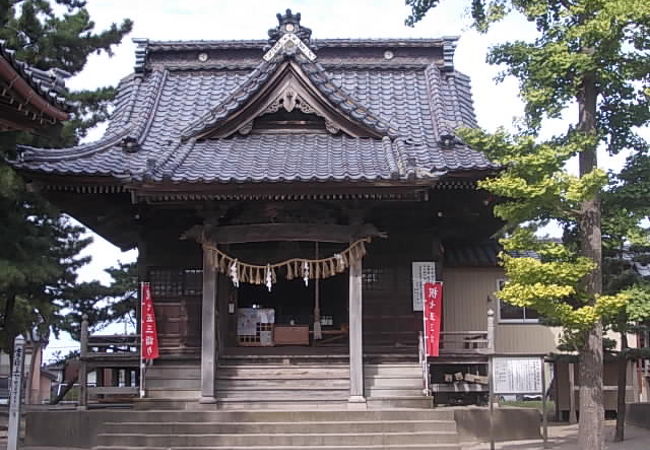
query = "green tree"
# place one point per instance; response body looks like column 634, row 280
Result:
column 48, row 40
column 102, row 305
column 626, row 250
column 593, row 54
column 40, row 246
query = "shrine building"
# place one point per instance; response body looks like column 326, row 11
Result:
column 287, row 198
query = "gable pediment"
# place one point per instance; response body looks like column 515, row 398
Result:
column 297, row 97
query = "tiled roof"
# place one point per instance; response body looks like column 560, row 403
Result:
column 317, row 43
column 273, row 158
column 481, row 254
column 316, row 74
column 48, row 84
column 161, row 110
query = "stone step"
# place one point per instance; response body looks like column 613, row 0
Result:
column 284, row 382
column 310, row 447
column 362, row 426
column 298, row 415
column 393, row 392
column 276, row 439
column 329, row 404
column 275, row 395
column 411, row 402
column 413, row 382
column 282, row 372
column 256, row 383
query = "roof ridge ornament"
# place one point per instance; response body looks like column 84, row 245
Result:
column 288, row 37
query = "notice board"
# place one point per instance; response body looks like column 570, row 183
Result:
column 517, row 375
column 421, row 272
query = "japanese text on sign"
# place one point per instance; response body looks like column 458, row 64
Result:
column 432, row 317
column 149, row 340
column 517, row 375
column 422, row 272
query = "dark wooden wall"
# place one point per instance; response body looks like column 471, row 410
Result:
column 388, row 316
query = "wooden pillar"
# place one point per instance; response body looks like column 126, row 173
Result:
column 208, row 330
column 356, row 335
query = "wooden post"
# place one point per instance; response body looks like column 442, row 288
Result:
column 544, row 403
column 556, row 379
column 355, row 334
column 318, row 334
column 572, row 395
column 490, row 331
column 83, row 365
column 490, row 350
column 208, row 330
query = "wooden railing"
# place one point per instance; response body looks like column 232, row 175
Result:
column 469, row 342
column 117, row 353
column 463, row 342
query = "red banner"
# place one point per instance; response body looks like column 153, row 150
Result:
column 432, row 317
column 148, row 332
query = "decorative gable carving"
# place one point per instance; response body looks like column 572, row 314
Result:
column 289, row 91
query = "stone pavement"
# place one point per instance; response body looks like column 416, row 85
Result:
column 563, row 436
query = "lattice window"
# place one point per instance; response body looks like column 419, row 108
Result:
column 166, row 282
column 175, row 282
column 376, row 279
column 193, row 282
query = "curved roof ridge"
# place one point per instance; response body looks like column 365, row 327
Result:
column 137, row 128
column 173, row 160
column 174, row 45
column 35, row 154
column 233, row 101
column 124, row 102
column 441, row 125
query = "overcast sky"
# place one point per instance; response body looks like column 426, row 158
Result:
column 496, row 104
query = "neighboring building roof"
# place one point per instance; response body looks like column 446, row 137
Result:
column 479, row 254
column 31, row 98
column 390, row 109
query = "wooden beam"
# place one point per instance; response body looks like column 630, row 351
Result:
column 273, row 232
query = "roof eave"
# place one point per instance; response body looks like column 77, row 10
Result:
column 28, row 93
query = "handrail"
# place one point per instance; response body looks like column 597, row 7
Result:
column 424, row 364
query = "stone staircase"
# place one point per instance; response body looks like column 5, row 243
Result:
column 398, row 429
column 283, row 384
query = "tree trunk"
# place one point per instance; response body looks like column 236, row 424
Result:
column 9, row 332
column 69, row 385
column 621, row 390
column 591, row 432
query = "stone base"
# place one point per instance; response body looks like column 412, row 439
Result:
column 207, row 400
column 357, row 402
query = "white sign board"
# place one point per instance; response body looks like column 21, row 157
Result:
column 517, row 375
column 421, row 272
column 13, row 430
